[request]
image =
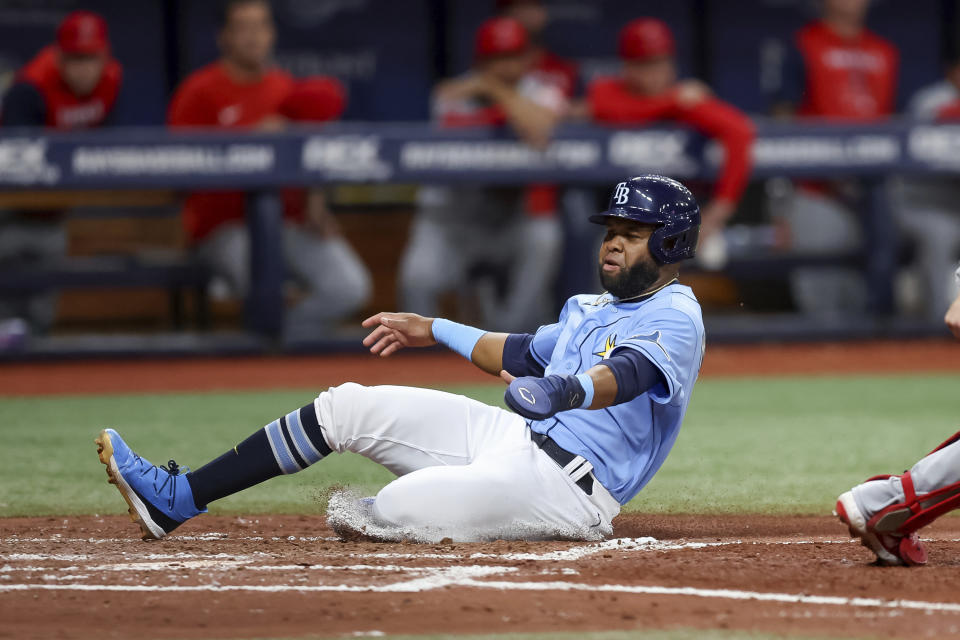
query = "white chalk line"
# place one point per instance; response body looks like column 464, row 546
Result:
column 432, row 578
column 467, row 577
column 730, row 594
column 573, row 553
column 644, row 544
column 77, row 557
column 577, row 553
column 207, row 537
column 564, row 555
column 220, row 565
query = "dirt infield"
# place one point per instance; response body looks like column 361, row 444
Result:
column 207, row 374
column 284, row 576
column 287, row 576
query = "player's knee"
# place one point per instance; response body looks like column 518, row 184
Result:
column 335, row 410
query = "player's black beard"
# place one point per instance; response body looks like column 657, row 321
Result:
column 633, row 281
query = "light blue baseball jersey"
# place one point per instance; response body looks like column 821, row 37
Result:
column 628, row 442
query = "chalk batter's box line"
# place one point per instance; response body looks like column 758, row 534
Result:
column 431, row 578
column 728, row 594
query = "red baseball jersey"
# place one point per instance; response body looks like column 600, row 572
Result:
column 848, row 78
column 63, row 109
column 560, row 72
column 611, row 102
column 210, row 97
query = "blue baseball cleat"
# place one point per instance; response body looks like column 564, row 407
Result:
column 159, row 498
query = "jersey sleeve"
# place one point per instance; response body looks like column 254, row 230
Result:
column 672, row 342
column 546, row 337
column 23, row 106
column 735, row 132
column 517, row 359
column 544, row 340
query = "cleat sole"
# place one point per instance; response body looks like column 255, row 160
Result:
column 105, row 453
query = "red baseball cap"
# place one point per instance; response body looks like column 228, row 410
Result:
column 646, row 38
column 500, row 36
column 315, row 99
column 83, row 32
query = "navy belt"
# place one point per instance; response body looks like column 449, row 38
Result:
column 562, row 457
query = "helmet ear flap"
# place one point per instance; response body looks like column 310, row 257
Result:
column 669, row 244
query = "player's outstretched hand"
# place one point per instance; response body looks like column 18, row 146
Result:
column 540, row 398
column 394, row 331
column 953, row 318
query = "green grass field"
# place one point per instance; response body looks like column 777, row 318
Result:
column 776, row 445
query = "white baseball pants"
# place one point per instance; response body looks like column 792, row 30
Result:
column 468, row 471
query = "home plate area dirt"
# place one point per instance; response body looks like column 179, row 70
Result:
column 285, row 576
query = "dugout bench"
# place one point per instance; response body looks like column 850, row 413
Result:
column 176, row 272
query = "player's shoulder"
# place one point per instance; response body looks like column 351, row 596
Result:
column 279, row 79
column 586, row 300
column 675, row 305
column 810, row 34
column 673, row 299
column 205, row 78
column 678, row 297
column 41, row 69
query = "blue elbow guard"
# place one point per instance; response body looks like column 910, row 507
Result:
column 634, row 373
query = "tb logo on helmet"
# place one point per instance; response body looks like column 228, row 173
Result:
column 622, row 194
column 663, row 202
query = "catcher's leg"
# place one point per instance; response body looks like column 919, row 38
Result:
column 885, row 512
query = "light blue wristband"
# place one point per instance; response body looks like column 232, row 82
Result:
column 458, row 337
column 587, row 383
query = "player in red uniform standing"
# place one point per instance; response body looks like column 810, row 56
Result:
column 458, row 229
column 837, row 70
column 243, row 90
column 647, row 91
column 70, row 84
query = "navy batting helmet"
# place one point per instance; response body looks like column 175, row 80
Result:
column 662, row 201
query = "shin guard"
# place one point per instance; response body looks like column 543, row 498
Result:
column 915, row 512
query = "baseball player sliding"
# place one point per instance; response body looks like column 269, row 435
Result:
column 886, row 511
column 597, row 401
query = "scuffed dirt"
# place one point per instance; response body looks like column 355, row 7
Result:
column 313, row 583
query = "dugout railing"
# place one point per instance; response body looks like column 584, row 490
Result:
column 345, row 153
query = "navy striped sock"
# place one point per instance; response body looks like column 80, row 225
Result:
column 287, row 445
